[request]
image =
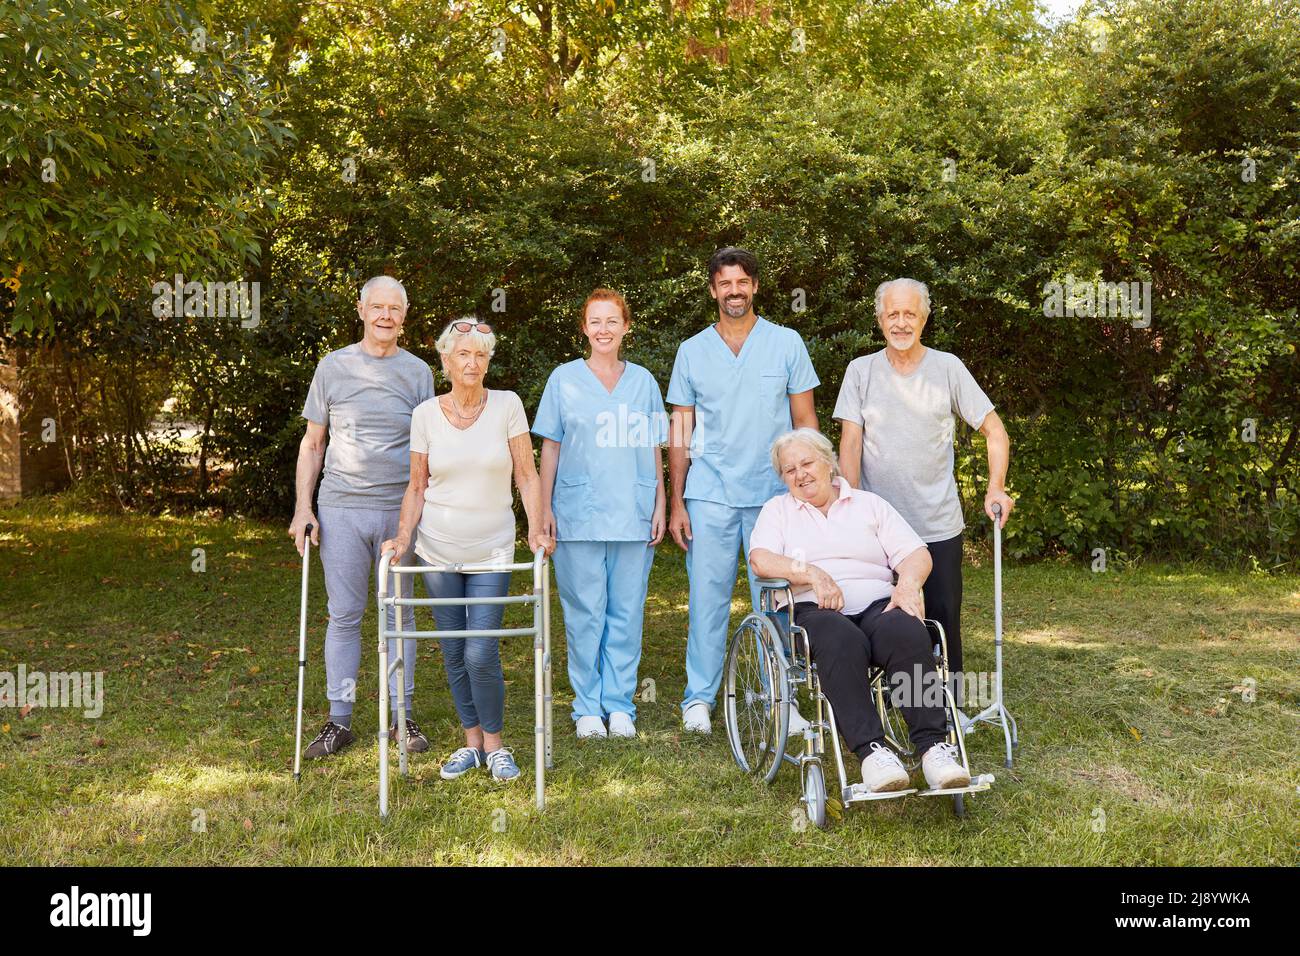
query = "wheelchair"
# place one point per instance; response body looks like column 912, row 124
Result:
column 768, row 662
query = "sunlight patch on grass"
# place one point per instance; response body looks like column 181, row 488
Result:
column 628, row 789
column 1056, row 637
column 180, row 789
column 1126, row 784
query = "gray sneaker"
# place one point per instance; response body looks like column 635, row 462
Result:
column 462, row 761
column 330, row 740
column 502, row 765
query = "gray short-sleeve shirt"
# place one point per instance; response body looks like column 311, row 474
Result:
column 908, row 424
column 366, row 402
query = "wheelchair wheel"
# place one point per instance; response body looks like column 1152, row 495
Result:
column 959, row 805
column 756, row 703
column 814, row 794
column 891, row 719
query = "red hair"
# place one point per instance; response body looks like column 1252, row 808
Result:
column 605, row 295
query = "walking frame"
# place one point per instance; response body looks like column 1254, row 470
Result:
column 540, row 632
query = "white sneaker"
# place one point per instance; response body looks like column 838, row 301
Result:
column 797, row 723
column 943, row 771
column 621, row 725
column 883, row 772
column 590, row 727
column 696, row 718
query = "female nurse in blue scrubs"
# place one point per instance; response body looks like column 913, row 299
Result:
column 602, row 425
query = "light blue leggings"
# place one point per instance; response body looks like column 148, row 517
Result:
column 473, row 664
column 349, row 549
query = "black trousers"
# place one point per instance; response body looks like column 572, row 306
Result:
column 942, row 590
column 844, row 645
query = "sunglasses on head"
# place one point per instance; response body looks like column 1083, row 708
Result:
column 472, row 326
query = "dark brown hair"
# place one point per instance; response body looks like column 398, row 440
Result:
column 733, row 256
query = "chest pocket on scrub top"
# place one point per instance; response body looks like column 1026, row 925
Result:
column 772, row 386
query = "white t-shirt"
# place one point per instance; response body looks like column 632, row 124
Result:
column 467, row 516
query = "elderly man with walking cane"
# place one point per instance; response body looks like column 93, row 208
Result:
column 358, row 413
column 898, row 409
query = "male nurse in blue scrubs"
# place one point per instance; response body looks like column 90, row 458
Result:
column 735, row 387
column 602, row 425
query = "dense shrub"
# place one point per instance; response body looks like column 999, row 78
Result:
column 961, row 143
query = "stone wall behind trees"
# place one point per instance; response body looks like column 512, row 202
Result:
column 29, row 464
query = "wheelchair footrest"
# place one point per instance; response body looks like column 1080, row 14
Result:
column 977, row 785
column 857, row 793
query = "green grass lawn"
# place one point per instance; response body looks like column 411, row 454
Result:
column 1127, row 686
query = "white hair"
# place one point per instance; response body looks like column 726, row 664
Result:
column 920, row 288
column 447, row 340
column 814, row 440
column 375, row 282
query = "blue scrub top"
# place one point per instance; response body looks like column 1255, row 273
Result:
column 606, row 481
column 741, row 406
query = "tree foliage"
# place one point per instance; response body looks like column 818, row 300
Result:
column 513, row 155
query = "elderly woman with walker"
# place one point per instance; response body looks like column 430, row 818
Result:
column 467, row 446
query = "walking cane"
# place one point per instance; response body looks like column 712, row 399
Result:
column 996, row 712
column 302, row 657
column 1008, row 723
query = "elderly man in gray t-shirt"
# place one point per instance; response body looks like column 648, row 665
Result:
column 361, row 399
column 898, row 410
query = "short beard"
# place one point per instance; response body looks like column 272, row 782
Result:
column 735, row 315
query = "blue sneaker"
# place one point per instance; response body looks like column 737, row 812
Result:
column 462, row 761
column 502, row 765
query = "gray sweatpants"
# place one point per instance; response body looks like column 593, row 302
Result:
column 349, row 549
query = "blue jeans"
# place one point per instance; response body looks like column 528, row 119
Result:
column 473, row 664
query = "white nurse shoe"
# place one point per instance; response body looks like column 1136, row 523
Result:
column 621, row 725
column 696, row 718
column 590, row 727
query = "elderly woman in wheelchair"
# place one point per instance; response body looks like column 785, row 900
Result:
column 855, row 635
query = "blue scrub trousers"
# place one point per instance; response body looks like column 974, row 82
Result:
column 718, row 534
column 603, row 587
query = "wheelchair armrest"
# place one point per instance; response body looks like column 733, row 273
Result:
column 939, row 637
column 772, row 584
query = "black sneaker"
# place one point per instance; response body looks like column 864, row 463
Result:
column 416, row 742
column 330, row 740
